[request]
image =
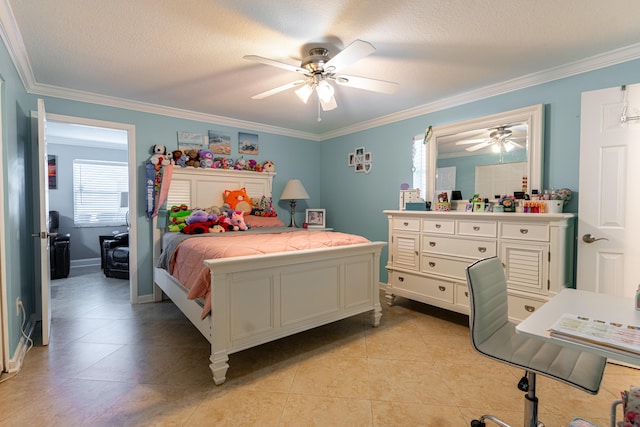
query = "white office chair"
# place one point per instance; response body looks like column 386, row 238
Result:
column 495, row 337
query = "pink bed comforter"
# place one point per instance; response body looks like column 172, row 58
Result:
column 187, row 263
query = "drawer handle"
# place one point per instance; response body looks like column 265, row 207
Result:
column 476, row 228
column 482, row 249
column 438, row 226
column 530, row 308
column 442, row 288
column 524, row 231
column 432, row 264
column 400, row 279
column 466, row 294
column 432, row 244
column 406, row 224
column 416, row 252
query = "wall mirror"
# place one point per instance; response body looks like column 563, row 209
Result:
column 488, row 155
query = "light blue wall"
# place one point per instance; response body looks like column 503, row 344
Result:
column 16, row 166
column 355, row 202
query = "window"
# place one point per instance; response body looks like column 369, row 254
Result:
column 100, row 192
column 419, row 149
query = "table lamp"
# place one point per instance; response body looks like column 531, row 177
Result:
column 294, row 190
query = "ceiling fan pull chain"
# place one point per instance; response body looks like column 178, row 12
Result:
column 319, row 118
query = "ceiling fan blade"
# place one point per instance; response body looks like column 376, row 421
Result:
column 471, row 141
column 275, row 63
column 510, row 141
column 350, row 54
column 278, row 89
column 366, row 83
column 479, row 146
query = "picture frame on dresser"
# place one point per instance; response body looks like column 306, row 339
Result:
column 315, row 218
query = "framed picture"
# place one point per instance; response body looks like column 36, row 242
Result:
column 248, row 143
column 52, row 166
column 315, row 218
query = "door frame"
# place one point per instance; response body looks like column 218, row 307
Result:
column 133, row 197
column 4, row 319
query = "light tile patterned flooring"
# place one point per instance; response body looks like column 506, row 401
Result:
column 113, row 364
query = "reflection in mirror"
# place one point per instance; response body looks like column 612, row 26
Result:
column 492, row 155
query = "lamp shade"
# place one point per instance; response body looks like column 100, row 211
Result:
column 294, row 190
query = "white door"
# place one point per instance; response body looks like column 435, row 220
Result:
column 41, row 261
column 608, row 228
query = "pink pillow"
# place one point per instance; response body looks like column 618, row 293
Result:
column 263, row 221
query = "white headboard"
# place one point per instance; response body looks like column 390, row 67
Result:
column 201, row 188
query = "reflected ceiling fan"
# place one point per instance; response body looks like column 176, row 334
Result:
column 500, row 139
column 320, row 70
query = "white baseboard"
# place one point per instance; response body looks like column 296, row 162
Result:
column 15, row 363
column 144, row 299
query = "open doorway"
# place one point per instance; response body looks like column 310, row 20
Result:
column 91, row 186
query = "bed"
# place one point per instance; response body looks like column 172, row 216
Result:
column 260, row 298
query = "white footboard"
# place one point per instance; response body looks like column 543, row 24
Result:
column 259, row 299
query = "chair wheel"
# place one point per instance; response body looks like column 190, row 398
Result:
column 523, row 384
column 477, row 423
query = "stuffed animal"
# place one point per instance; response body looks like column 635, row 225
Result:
column 159, row 155
column 241, row 163
column 234, row 221
column 176, row 154
column 206, row 158
column 221, row 163
column 268, row 166
column 251, row 165
column 196, row 228
column 182, row 161
column 194, row 159
column 238, row 200
column 178, row 216
column 216, row 228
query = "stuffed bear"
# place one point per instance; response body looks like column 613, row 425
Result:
column 194, row 160
column 206, row 158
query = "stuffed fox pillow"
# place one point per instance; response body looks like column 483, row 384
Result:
column 238, row 200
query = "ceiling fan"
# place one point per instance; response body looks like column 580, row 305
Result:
column 320, row 70
column 500, row 139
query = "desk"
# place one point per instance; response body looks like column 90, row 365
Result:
column 583, row 303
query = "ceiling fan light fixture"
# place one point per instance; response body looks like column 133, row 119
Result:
column 496, row 148
column 325, row 91
column 304, row 92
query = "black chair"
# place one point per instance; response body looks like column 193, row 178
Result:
column 116, row 253
column 59, row 251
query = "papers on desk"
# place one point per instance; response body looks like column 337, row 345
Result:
column 624, row 339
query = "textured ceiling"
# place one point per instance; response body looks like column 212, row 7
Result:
column 187, row 55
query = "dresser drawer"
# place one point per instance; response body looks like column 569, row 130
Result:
column 422, row 286
column 521, row 307
column 454, row 268
column 466, row 248
column 462, row 296
column 534, row 232
column 477, row 228
column 408, row 224
column 446, row 226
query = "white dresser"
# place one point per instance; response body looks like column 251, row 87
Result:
column 429, row 251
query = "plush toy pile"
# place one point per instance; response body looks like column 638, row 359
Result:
column 210, row 220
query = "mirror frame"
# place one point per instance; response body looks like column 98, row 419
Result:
column 532, row 115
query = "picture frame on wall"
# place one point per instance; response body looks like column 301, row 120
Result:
column 315, row 218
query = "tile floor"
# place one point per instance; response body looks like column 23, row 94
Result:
column 113, row 364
